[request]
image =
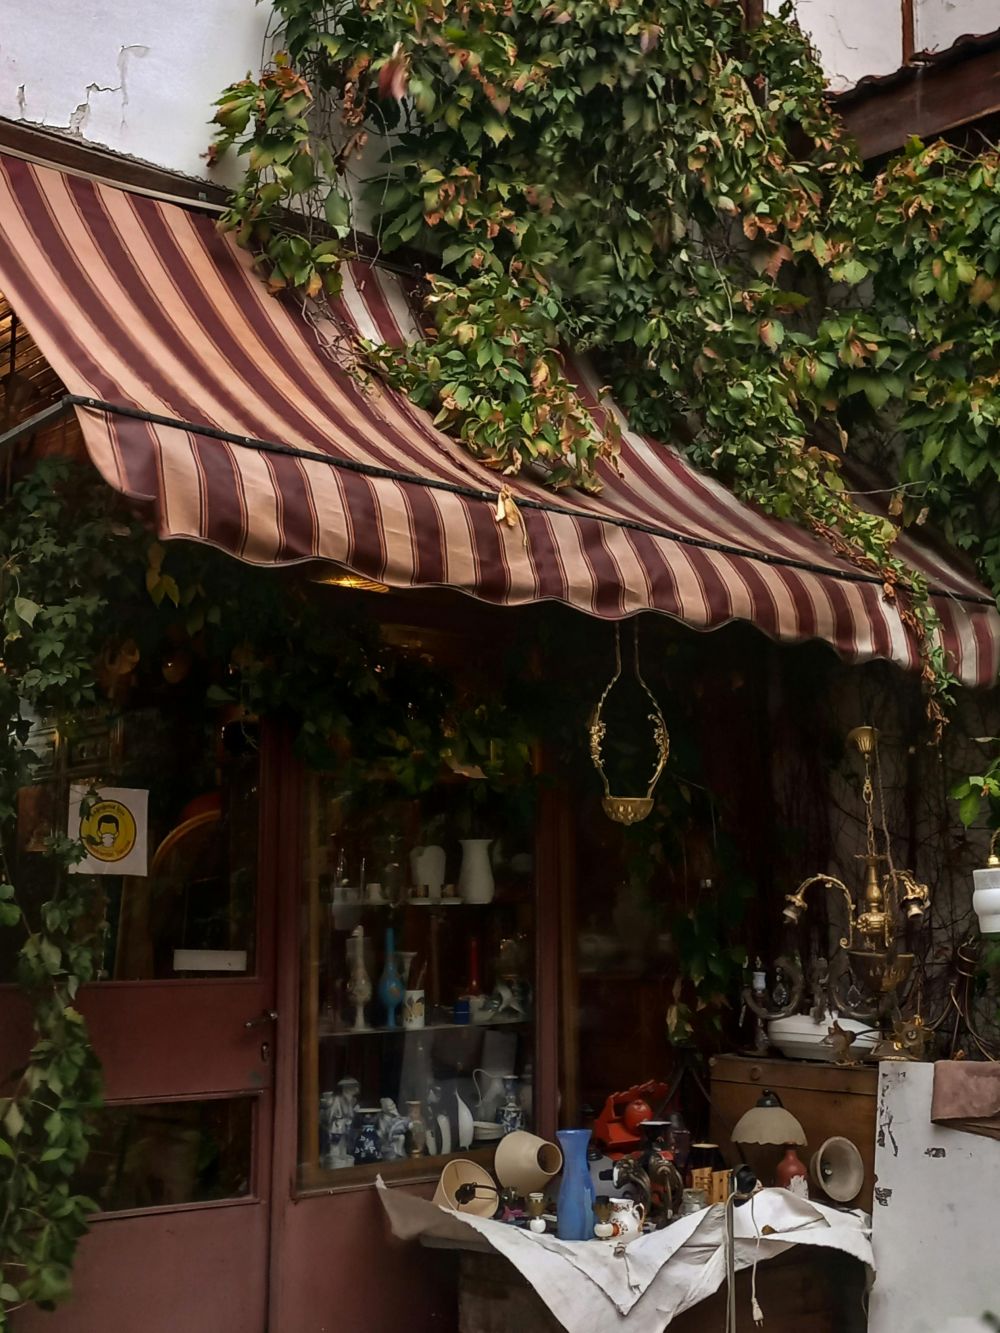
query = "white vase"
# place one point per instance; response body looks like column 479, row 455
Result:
column 986, row 899
column 475, row 880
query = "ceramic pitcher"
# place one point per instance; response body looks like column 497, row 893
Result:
column 626, row 1218
column 427, row 866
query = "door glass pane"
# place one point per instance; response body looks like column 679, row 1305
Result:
column 161, row 1153
column 188, row 907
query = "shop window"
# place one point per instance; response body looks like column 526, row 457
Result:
column 163, row 1154
column 181, row 823
column 417, row 1029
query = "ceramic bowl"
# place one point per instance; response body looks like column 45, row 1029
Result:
column 800, row 1038
column 460, row 1171
column 484, row 1131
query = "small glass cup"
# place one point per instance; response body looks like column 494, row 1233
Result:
column 693, row 1201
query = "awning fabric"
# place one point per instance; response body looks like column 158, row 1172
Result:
column 144, row 304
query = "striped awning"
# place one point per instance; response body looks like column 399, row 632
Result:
column 235, row 416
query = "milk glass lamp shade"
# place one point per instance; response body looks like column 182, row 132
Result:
column 768, row 1124
column 986, row 897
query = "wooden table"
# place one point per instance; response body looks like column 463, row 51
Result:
column 821, row 1291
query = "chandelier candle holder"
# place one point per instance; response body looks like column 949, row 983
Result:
column 986, row 891
column 887, row 895
column 628, row 809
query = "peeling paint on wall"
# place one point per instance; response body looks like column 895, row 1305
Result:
column 935, row 1152
column 882, row 1197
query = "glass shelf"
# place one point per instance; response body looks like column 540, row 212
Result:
column 364, row 1091
column 326, row 1034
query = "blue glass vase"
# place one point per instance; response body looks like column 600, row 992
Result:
column 575, row 1207
column 390, row 986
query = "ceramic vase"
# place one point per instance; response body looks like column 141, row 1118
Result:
column 359, row 986
column 791, row 1173
column 475, row 879
column 575, row 1207
column 390, row 987
column 417, row 1137
column 510, row 1114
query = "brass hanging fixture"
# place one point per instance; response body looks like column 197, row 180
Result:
column 872, row 929
column 628, row 809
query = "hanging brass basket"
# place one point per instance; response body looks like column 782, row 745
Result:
column 628, row 809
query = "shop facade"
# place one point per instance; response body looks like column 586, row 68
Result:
column 308, row 943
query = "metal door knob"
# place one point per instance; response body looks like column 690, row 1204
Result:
column 266, row 1016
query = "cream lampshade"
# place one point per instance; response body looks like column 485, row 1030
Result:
column 768, row 1123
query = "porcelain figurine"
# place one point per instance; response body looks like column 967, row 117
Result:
column 391, row 1131
column 475, row 880
column 341, row 1118
column 367, row 1148
column 390, row 987
column 575, row 1208
column 510, row 1114
column 359, row 986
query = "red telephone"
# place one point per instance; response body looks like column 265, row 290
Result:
column 614, row 1129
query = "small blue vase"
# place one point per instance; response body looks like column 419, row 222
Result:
column 575, row 1206
column 390, row 986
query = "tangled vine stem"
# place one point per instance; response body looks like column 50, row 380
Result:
column 655, row 186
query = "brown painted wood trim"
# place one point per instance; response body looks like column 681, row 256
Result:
column 550, row 859
column 909, row 30
column 754, row 12
column 61, row 150
column 932, row 101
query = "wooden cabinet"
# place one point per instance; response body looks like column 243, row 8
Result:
column 827, row 1100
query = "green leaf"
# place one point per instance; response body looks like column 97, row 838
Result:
column 337, row 210
column 968, row 808
column 26, row 609
column 13, row 1120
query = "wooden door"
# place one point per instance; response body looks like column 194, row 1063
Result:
column 182, row 1162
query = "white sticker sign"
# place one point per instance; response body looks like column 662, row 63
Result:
column 114, row 830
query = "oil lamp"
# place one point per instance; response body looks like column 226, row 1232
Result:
column 872, row 921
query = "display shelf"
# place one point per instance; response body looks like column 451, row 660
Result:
column 407, row 1170
column 327, row 1033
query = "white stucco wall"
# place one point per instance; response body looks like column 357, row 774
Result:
column 934, row 1220
column 853, row 37
column 137, row 76
column 939, row 23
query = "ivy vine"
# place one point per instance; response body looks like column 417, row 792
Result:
column 655, row 186
column 58, row 581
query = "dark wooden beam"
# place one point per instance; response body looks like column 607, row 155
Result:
column 909, row 30
column 754, row 12
column 61, row 150
column 926, row 102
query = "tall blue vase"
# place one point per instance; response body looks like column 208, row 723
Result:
column 390, row 986
column 575, row 1206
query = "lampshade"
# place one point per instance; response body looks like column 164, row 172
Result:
column 768, row 1123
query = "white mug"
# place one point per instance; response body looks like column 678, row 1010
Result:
column 413, row 1009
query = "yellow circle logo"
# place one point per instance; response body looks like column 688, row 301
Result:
column 108, row 831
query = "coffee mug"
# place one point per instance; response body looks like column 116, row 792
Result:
column 413, row 1009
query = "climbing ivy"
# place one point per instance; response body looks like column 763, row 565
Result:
column 59, row 575
column 655, row 186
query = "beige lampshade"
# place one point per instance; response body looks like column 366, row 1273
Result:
column 768, row 1123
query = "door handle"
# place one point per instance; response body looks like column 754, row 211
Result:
column 266, row 1016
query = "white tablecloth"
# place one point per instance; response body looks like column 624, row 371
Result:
column 591, row 1289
